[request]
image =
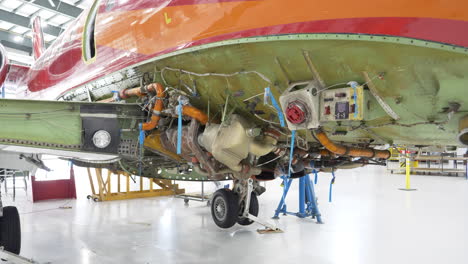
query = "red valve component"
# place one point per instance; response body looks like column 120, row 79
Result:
column 327, row 110
column 295, row 113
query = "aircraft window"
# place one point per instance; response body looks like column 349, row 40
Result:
column 89, row 42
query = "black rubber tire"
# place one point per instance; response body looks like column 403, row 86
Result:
column 10, row 230
column 88, row 197
column 253, row 209
column 230, row 201
column 96, row 200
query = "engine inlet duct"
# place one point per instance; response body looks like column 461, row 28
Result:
column 463, row 130
column 350, row 151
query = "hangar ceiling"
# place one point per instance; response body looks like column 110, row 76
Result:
column 16, row 17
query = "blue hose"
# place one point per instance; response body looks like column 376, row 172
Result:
column 141, row 140
column 179, row 128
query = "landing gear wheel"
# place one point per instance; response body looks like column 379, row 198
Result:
column 88, row 197
column 186, row 201
column 253, row 210
column 225, row 208
column 10, row 230
column 96, row 199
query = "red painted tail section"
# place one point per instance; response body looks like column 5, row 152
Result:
column 3, row 65
column 37, row 38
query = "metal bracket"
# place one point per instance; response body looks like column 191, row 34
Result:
column 379, row 99
column 269, row 228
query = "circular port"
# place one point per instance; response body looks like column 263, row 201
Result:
column 101, row 139
column 296, row 113
column 463, row 137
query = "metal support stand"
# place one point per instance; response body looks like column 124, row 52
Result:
column 104, row 187
column 202, row 197
column 307, row 200
column 269, row 228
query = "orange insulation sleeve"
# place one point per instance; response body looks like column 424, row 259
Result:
column 195, row 113
column 107, row 100
column 158, row 106
column 350, row 151
column 157, row 88
column 126, row 93
column 326, row 153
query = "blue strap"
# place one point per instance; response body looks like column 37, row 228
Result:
column 115, row 95
column 331, row 187
column 291, row 154
column 275, row 104
column 141, row 140
column 179, row 128
column 314, row 171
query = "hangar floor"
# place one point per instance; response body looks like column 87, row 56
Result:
column 369, row 221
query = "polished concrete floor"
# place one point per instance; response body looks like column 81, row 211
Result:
column 369, row 221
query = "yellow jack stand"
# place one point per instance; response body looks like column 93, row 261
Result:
column 105, row 192
column 408, row 174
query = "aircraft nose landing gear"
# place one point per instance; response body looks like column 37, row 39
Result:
column 229, row 207
column 253, row 210
column 225, row 208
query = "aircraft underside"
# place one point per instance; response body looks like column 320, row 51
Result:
column 260, row 108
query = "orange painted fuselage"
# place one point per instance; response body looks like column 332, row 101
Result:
column 132, row 32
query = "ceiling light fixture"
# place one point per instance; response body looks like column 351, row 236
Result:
column 18, row 38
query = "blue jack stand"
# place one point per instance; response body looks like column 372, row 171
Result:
column 307, row 200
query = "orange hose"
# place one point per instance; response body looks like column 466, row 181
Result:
column 107, row 100
column 350, row 151
column 325, row 153
column 158, row 105
column 126, row 93
column 195, row 113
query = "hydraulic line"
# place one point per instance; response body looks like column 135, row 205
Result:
column 350, row 151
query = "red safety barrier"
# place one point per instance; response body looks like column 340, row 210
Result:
column 54, row 189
